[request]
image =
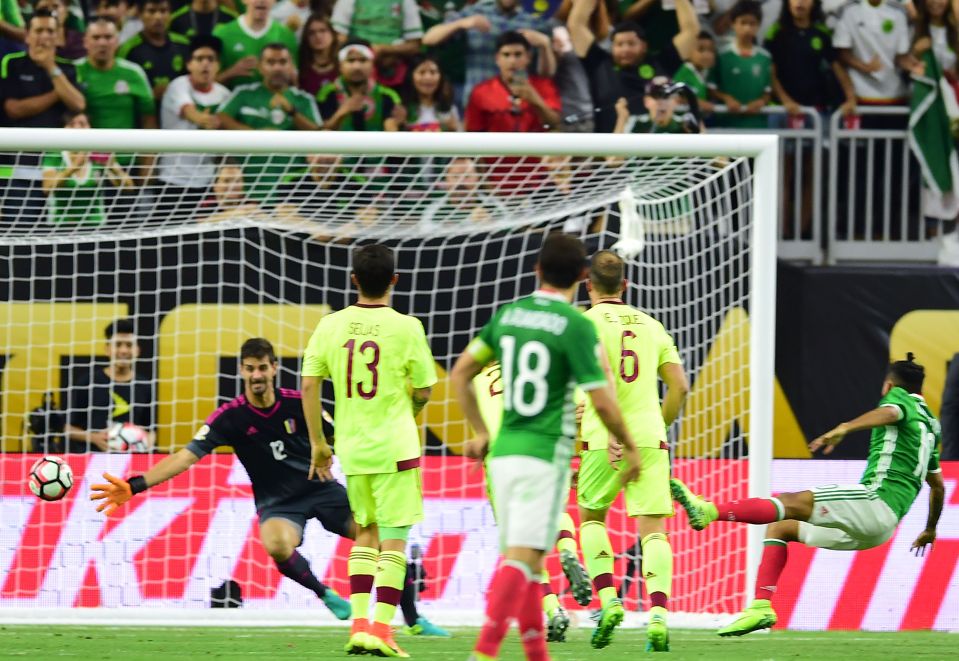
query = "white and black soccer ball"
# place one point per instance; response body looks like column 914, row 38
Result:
column 50, row 478
column 128, row 437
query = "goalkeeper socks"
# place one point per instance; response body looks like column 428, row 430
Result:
column 550, row 600
column 598, row 554
column 529, row 619
column 775, row 553
column 566, row 540
column 752, row 510
column 361, row 567
column 390, row 578
column 503, row 602
column 657, row 568
column 408, row 600
column 297, row 568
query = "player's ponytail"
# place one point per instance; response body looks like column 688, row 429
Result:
column 907, row 374
column 910, row 357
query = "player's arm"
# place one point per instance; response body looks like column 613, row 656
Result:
column 321, row 452
column 115, row 492
column 470, row 363
column 677, row 387
column 878, row 417
column 96, row 438
column 421, row 396
column 937, row 495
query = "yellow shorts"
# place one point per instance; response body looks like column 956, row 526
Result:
column 598, row 483
column 390, row 500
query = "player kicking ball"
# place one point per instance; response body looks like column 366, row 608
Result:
column 902, row 453
column 383, row 372
column 488, row 386
column 546, row 347
column 640, row 351
column 266, row 428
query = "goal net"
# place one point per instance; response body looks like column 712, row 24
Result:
column 235, row 236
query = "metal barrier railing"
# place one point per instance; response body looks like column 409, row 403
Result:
column 875, row 203
column 801, row 175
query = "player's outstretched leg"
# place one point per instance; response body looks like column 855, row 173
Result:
column 569, row 560
column 361, row 567
column 599, row 562
column 502, row 605
column 702, row 512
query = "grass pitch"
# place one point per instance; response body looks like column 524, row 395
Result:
column 163, row 643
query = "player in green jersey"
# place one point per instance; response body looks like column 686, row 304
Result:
column 640, row 352
column 383, row 372
column 546, row 348
column 902, row 453
column 488, row 386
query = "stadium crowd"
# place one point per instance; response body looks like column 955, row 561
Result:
column 403, row 65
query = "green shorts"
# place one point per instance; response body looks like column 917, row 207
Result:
column 598, row 483
column 390, row 500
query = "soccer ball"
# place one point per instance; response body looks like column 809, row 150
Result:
column 50, row 478
column 128, row 437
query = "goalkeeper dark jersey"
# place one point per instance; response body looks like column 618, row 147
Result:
column 272, row 444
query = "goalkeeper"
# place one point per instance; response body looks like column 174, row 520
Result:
column 642, row 349
column 849, row 517
column 488, row 386
column 266, row 427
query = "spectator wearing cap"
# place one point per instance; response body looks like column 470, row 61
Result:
column 355, row 101
column 660, row 116
column 162, row 54
column 513, row 101
column 244, row 40
column 742, row 77
column 200, row 17
column 190, row 103
column 623, row 72
column 481, row 24
column 872, row 37
column 37, row 88
column 272, row 104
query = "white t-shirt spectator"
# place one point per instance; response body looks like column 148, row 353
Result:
column 945, row 56
column 187, row 170
column 283, row 10
column 883, row 32
column 428, row 119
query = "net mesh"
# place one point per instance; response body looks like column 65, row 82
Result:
column 204, row 251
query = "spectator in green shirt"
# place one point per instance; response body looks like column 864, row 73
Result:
column 270, row 105
column 695, row 71
column 200, row 17
column 161, row 53
column 12, row 27
column 74, row 181
column 354, row 101
column 742, row 77
column 118, row 93
column 245, row 38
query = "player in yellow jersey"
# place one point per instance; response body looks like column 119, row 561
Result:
column 639, row 351
column 489, row 390
column 382, row 371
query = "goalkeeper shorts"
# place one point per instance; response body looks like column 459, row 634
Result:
column 390, row 500
column 848, row 517
column 598, row 483
column 529, row 494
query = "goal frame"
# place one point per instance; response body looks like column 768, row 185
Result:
column 762, row 148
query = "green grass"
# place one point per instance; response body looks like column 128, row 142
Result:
column 134, row 643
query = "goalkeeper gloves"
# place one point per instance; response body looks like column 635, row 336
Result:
column 116, row 492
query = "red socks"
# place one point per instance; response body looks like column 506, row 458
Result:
column 775, row 553
column 507, row 595
column 751, row 510
column 530, row 621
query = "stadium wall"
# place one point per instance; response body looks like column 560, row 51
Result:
column 168, row 548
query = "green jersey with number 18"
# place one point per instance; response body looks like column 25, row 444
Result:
column 546, row 348
column 901, row 454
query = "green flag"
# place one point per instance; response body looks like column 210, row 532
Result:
column 931, row 140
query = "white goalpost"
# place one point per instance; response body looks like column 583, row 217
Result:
column 204, row 239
